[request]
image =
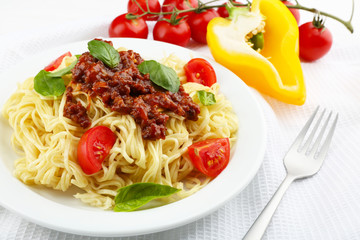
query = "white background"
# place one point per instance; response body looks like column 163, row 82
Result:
column 325, row 206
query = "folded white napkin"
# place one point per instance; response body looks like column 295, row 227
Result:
column 326, row 206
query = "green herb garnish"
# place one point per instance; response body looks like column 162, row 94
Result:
column 206, row 98
column 51, row 84
column 104, row 52
column 131, row 197
column 63, row 71
column 161, row 75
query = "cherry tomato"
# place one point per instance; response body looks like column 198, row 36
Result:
column 200, row 71
column 223, row 12
column 169, row 5
column 154, row 6
column 56, row 63
column 93, row 148
column 122, row 27
column 314, row 42
column 178, row 34
column 210, row 156
column 198, row 24
column 294, row 11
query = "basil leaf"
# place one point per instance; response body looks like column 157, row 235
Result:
column 206, row 98
column 50, row 83
column 63, row 71
column 47, row 85
column 104, row 52
column 161, row 75
column 131, row 197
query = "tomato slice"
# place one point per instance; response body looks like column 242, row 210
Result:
column 56, row 63
column 210, row 156
column 94, row 146
column 200, row 71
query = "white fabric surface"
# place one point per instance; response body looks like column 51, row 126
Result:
column 325, row 206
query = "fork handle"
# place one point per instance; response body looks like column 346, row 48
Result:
column 258, row 228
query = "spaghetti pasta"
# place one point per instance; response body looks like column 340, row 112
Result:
column 47, row 142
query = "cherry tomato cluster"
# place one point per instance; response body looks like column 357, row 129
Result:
column 177, row 21
column 177, row 28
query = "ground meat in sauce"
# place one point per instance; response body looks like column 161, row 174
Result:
column 75, row 111
column 125, row 90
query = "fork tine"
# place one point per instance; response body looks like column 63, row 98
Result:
column 301, row 135
column 312, row 134
column 325, row 147
column 320, row 136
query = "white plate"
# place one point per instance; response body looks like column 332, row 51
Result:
column 60, row 211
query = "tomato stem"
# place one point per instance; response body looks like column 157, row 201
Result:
column 347, row 24
column 131, row 16
column 138, row 5
column 208, row 5
column 201, row 7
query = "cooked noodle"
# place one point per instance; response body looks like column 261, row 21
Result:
column 47, row 142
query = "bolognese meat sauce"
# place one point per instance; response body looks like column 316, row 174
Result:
column 125, row 90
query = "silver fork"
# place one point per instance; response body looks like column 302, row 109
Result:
column 301, row 161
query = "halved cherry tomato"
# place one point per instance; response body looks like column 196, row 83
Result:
column 123, row 27
column 169, row 5
column 210, row 156
column 93, row 148
column 154, row 6
column 56, row 63
column 200, row 71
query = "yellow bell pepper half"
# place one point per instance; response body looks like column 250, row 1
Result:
column 274, row 70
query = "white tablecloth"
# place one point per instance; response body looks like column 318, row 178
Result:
column 325, row 206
